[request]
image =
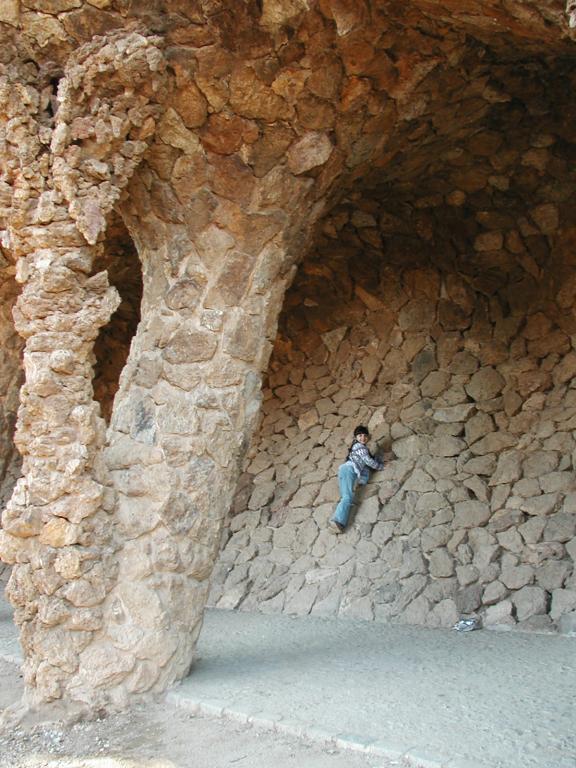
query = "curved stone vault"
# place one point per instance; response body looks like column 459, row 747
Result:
column 173, row 163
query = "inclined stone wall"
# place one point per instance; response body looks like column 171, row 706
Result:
column 445, row 322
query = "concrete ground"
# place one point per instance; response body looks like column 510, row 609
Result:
column 390, row 695
column 160, row 736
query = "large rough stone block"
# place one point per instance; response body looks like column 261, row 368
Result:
column 540, row 463
column 563, row 601
column 508, row 469
column 552, row 574
column 540, row 505
column 310, row 151
column 470, row 514
column 419, row 481
column 560, row 527
column 455, row 413
column 493, row 443
column 417, row 315
column 517, row 577
column 262, row 495
column 441, row 563
column 368, row 510
column 416, row 612
column 411, row 447
column 494, row 593
column 188, row 346
column 485, row 384
column 499, row 615
column 529, row 601
column 443, row 614
column 278, row 12
column 447, row 446
column 468, row 599
column 60, row 533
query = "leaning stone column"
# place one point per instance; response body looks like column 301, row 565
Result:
column 64, row 177
column 55, row 528
column 110, row 602
column 188, row 402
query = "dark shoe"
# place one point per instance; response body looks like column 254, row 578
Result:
column 335, row 527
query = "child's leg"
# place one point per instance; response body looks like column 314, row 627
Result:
column 346, row 482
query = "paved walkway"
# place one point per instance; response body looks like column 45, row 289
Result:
column 436, row 697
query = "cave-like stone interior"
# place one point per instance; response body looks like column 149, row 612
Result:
column 436, row 306
column 230, row 232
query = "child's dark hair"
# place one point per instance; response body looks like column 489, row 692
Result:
column 359, row 430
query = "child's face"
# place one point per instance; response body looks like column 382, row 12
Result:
column 363, row 439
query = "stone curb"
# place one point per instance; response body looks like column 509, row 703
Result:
column 417, row 757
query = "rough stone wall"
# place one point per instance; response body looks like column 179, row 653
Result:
column 11, row 376
column 440, row 312
column 221, row 133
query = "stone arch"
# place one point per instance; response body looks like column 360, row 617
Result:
column 267, row 122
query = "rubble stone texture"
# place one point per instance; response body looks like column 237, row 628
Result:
column 10, row 383
column 165, row 169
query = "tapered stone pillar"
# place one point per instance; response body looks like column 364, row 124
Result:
column 186, row 409
column 62, row 176
column 54, row 528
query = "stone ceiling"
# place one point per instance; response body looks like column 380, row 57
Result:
column 384, row 82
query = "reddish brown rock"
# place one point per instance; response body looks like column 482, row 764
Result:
column 251, row 98
column 191, row 105
column 225, row 133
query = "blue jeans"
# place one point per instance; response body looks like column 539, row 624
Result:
column 346, row 481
